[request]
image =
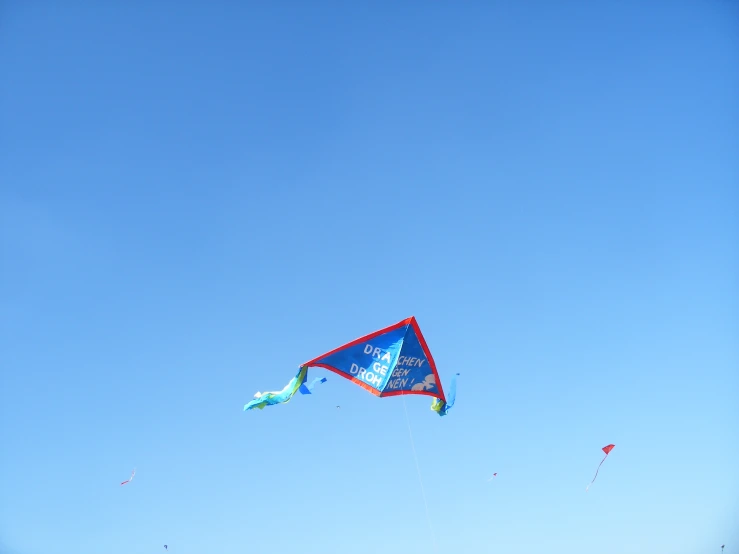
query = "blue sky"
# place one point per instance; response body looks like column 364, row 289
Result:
column 197, row 197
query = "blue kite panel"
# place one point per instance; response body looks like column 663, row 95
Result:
column 369, row 361
column 412, row 372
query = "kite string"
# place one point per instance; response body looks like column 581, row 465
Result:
column 420, row 479
column 596, row 472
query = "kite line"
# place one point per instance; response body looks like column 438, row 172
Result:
column 420, row 479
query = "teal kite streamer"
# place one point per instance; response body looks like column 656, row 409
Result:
column 262, row 399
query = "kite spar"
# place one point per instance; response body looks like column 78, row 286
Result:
column 607, row 450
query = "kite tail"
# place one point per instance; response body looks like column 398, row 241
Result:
column 596, row 472
column 441, row 407
column 279, row 397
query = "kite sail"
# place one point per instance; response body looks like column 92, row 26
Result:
column 130, row 478
column 392, row 361
column 493, row 477
column 607, row 450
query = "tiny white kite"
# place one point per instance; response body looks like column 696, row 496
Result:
column 130, row 478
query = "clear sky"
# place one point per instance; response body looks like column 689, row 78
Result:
column 197, row 197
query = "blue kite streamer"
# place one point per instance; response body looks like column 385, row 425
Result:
column 308, row 389
column 441, row 407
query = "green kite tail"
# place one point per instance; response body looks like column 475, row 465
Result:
column 262, row 399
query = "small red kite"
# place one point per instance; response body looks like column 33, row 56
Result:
column 607, row 450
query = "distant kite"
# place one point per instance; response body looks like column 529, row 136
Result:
column 130, row 478
column 607, row 450
column 493, row 477
column 165, row 547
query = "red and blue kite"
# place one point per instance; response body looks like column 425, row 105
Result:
column 392, row 361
